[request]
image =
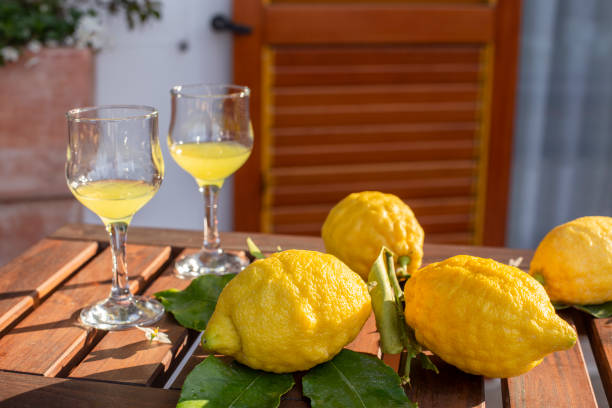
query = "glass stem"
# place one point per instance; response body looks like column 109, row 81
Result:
column 118, row 236
column 212, row 242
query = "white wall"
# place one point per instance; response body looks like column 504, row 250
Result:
column 140, row 67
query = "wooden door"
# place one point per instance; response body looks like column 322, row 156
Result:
column 411, row 98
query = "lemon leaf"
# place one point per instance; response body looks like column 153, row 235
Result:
column 539, row 277
column 600, row 311
column 214, row 384
column 254, row 249
column 193, row 306
column 353, row 379
column 560, row 306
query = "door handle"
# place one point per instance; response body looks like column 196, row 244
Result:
column 221, row 23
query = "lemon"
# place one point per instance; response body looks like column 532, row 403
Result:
column 359, row 225
column 575, row 261
column 484, row 317
column 288, row 312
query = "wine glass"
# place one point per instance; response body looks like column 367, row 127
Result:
column 114, row 167
column 210, row 137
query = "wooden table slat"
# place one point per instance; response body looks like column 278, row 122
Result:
column 48, row 341
column 191, row 239
column 34, row 274
column 127, row 357
column 50, row 338
column 451, row 388
column 600, row 336
column 560, row 381
column 26, row 390
column 367, row 341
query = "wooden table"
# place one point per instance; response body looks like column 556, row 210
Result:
column 47, row 359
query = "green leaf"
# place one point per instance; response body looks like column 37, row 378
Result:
column 560, row 306
column 254, row 249
column 600, row 311
column 193, row 306
column 539, row 277
column 427, row 363
column 214, row 384
column 354, row 380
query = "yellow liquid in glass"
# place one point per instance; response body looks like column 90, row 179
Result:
column 115, row 200
column 212, row 162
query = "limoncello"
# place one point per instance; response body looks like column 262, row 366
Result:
column 210, row 163
column 114, row 200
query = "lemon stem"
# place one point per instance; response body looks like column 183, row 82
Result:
column 385, row 306
column 388, row 304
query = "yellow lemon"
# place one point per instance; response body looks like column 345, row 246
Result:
column 484, row 317
column 288, row 312
column 359, row 225
column 574, row 261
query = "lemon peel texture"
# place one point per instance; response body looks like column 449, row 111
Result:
column 484, row 317
column 574, row 261
column 362, row 223
column 289, row 312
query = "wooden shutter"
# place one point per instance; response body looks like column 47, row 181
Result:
column 408, row 98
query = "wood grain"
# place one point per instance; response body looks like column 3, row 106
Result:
column 367, row 339
column 29, row 391
column 50, row 339
column 449, row 389
column 247, row 180
column 507, row 26
column 386, row 24
column 441, row 188
column 127, row 357
column 234, row 241
column 269, row 242
column 600, row 336
column 34, row 274
column 560, row 381
column 373, row 133
column 456, row 112
column 385, row 74
column 367, row 153
column 374, row 55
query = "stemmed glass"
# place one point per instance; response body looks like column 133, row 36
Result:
column 210, row 137
column 114, row 167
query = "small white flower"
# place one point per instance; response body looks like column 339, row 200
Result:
column 89, row 32
column 43, row 8
column 69, row 41
column 155, row 335
column 34, row 46
column 516, row 262
column 9, row 54
column 51, row 43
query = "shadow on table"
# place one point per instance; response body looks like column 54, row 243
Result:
column 25, row 390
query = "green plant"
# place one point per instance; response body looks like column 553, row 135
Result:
column 34, row 23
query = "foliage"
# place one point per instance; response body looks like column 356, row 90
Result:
column 30, row 24
column 353, row 379
column 215, row 384
column 193, row 306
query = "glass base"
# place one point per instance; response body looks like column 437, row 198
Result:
column 113, row 314
column 209, row 263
